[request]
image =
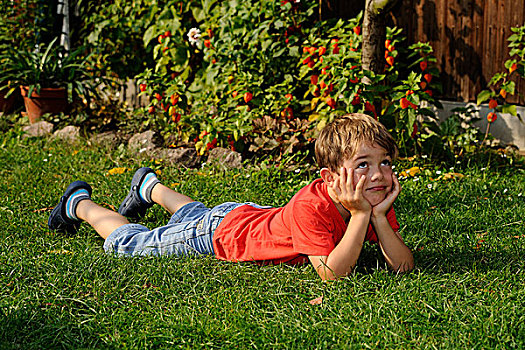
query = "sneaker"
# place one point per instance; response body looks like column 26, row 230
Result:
column 133, row 205
column 58, row 220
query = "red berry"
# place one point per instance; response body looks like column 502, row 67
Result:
column 312, row 50
column 234, row 94
column 151, row 109
column 409, row 92
column 429, row 92
column 404, row 103
column 161, row 37
column 357, row 30
column 289, row 97
column 174, row 99
column 493, row 103
column 313, row 79
column 390, row 60
column 423, row 65
column 322, row 50
column 167, row 34
column 331, row 102
column 311, row 64
column 248, row 97
column 336, row 50
column 307, row 60
column 513, row 68
column 369, row 107
column 428, row 77
column 142, row 87
column 491, row 117
column 158, row 96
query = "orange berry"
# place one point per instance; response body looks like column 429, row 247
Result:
column 404, row 103
column 390, row 60
column 503, row 93
column 513, row 68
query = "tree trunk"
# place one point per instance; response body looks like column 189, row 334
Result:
column 374, row 34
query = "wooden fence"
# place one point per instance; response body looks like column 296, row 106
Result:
column 469, row 37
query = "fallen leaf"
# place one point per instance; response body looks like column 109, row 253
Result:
column 117, row 171
column 110, row 206
column 43, row 209
column 316, row 301
column 59, row 251
column 411, row 172
column 450, row 176
column 175, row 184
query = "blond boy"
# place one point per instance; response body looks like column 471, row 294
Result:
column 325, row 223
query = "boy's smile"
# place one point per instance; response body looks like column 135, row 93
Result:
column 372, row 161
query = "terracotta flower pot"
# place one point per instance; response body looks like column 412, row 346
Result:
column 6, row 104
column 49, row 100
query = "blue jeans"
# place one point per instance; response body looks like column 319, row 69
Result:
column 188, row 232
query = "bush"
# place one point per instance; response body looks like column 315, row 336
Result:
column 266, row 75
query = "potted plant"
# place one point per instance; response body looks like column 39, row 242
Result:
column 49, row 79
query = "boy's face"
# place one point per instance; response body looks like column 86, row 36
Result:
column 372, row 161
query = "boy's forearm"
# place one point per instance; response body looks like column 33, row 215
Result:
column 397, row 255
column 343, row 258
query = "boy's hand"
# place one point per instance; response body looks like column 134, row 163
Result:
column 383, row 207
column 349, row 194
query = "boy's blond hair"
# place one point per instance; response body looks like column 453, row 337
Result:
column 339, row 139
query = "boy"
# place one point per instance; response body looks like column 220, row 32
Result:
column 325, row 223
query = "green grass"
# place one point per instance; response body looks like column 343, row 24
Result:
column 58, row 291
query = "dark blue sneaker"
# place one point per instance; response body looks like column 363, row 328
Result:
column 58, row 219
column 133, row 205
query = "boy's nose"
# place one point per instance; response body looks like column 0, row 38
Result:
column 377, row 175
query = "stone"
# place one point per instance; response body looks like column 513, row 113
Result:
column 186, row 157
column 225, row 157
column 106, row 138
column 143, row 142
column 38, row 129
column 69, row 133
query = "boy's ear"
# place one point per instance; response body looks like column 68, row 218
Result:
column 327, row 175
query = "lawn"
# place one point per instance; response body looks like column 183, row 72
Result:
column 58, row 291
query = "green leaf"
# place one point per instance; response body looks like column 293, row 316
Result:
column 483, row 96
column 510, row 109
column 149, row 34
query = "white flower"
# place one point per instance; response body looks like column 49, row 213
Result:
column 429, row 186
column 505, row 190
column 193, row 36
column 438, row 172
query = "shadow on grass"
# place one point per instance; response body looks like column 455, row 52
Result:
column 448, row 260
column 44, row 327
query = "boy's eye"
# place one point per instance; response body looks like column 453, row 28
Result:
column 386, row 162
column 362, row 165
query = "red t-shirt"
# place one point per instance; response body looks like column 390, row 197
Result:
column 309, row 224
